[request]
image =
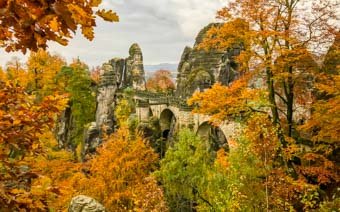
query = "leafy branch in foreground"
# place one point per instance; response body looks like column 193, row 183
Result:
column 29, row 25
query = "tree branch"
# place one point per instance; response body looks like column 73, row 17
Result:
column 258, row 111
column 281, row 97
column 203, row 199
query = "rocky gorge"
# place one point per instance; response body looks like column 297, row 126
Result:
column 198, row 69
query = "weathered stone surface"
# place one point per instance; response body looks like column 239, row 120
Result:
column 118, row 73
column 118, row 65
column 199, row 69
column 106, row 97
column 63, row 127
column 135, row 75
column 128, row 72
column 92, row 139
column 115, row 74
column 110, row 74
column 84, row 203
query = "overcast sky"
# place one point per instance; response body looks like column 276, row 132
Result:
column 162, row 28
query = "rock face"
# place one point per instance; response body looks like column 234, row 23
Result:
column 135, row 75
column 118, row 73
column 83, row 203
column 118, row 66
column 129, row 72
column 115, row 74
column 108, row 85
column 63, row 133
column 199, row 69
column 92, row 139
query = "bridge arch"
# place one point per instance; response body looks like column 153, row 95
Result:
column 167, row 121
column 150, row 113
column 214, row 135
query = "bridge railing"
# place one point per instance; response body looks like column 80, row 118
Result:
column 148, row 94
column 148, row 98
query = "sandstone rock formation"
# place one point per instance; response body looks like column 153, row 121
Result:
column 63, row 126
column 84, row 203
column 129, row 72
column 135, row 75
column 115, row 74
column 118, row 65
column 199, row 69
column 118, row 73
column 91, row 140
column 106, row 96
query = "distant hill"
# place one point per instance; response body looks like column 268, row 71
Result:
column 151, row 69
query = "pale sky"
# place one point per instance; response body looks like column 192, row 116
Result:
column 162, row 28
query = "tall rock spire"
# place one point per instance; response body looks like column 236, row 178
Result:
column 135, row 75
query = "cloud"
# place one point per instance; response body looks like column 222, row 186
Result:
column 161, row 27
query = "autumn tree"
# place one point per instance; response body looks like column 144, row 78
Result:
column 58, row 170
column 272, row 34
column 29, row 25
column 322, row 125
column 22, row 122
column 119, row 176
column 160, row 82
column 16, row 71
column 42, row 68
column 95, row 74
column 2, row 74
column 277, row 78
column 235, row 181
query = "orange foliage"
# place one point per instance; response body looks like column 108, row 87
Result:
column 22, row 122
column 16, row 72
column 95, row 74
column 222, row 160
column 2, row 74
column 119, row 176
column 263, row 137
column 277, row 39
column 34, row 23
column 59, row 170
column 42, row 70
column 160, row 82
column 222, row 102
column 325, row 120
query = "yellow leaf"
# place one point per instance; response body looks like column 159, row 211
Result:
column 87, row 32
column 16, row 191
column 39, row 38
column 108, row 15
column 79, row 15
column 61, row 41
column 54, row 24
column 95, row 3
column 16, row 122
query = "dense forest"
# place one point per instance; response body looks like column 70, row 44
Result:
column 276, row 78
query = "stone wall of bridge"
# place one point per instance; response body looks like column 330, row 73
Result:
column 163, row 110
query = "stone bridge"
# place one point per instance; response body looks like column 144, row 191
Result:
column 173, row 114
